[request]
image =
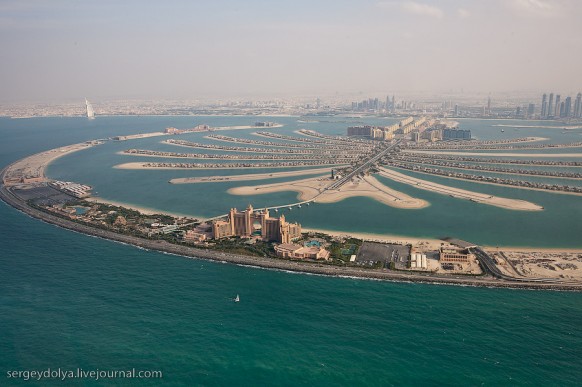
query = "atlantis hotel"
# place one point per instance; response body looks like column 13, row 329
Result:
column 249, row 222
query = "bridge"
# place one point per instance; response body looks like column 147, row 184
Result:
column 367, row 164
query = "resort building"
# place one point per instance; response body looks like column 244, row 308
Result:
column 294, row 251
column 249, row 223
column 194, row 237
column 453, row 254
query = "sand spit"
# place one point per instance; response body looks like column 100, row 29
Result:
column 34, row 166
column 540, row 126
column 511, row 204
column 239, row 127
column 250, row 176
column 142, row 165
column 314, row 188
column 529, row 155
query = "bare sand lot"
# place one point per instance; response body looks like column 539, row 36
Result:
column 559, row 264
column 314, row 188
column 250, row 176
column 512, row 204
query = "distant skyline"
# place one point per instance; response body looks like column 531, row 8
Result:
column 60, row 50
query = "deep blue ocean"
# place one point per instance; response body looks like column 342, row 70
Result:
column 72, row 301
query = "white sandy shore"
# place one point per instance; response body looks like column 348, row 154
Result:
column 314, row 188
column 143, row 210
column 530, row 155
column 35, row 165
column 142, row 165
column 497, row 184
column 141, row 135
column 511, row 204
column 246, row 127
column 430, row 243
column 570, row 127
column 250, row 176
column 223, row 157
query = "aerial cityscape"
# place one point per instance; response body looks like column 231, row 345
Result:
column 280, row 201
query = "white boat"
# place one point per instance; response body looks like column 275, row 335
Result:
column 90, row 111
column 237, row 299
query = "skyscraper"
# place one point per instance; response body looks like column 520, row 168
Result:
column 578, row 106
column 489, row 105
column 568, row 107
column 556, row 112
column 544, row 105
column 530, row 110
column 551, row 106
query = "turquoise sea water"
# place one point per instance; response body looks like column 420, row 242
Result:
column 445, row 216
column 68, row 300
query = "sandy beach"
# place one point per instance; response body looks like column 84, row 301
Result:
column 239, row 127
column 250, row 176
column 143, row 210
column 140, row 135
column 511, row 204
column 425, row 243
column 571, row 127
column 142, row 165
column 314, row 188
column 35, row 165
column 497, row 184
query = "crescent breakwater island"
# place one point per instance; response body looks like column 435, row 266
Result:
column 258, row 237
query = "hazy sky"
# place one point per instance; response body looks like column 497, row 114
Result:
column 56, row 50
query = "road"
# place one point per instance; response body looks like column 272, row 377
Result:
column 371, row 160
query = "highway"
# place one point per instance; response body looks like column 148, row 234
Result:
column 371, row 160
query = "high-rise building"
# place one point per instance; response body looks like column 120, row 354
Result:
column 456, row 110
column 488, row 106
column 551, row 107
column 530, row 110
column 544, row 111
column 578, row 106
column 556, row 112
column 568, row 107
column 249, row 223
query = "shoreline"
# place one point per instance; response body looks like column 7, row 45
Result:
column 278, row 264
column 143, row 210
column 142, row 166
column 270, row 263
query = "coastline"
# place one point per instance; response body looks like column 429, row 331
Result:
column 269, row 263
column 143, row 210
column 276, row 264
